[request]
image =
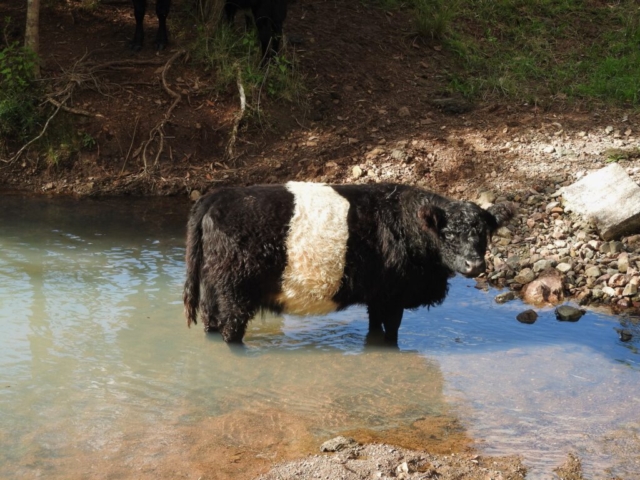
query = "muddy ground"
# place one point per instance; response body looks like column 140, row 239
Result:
column 376, row 108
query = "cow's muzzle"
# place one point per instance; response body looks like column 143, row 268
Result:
column 473, row 268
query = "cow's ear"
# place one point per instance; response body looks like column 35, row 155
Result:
column 502, row 213
column 431, row 218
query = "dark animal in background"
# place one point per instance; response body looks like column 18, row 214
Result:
column 310, row 249
column 162, row 12
column 269, row 16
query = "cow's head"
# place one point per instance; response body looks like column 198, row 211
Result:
column 463, row 230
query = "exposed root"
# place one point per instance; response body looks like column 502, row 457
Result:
column 44, row 129
column 157, row 133
column 238, row 119
column 85, row 74
column 77, row 111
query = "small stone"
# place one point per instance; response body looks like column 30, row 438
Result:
column 525, row 276
column 625, row 335
column 551, row 206
column 194, row 195
column 356, row 172
column 617, row 280
column 549, row 149
column 616, row 246
column 567, row 313
column 505, row 297
column 527, row 317
column 486, row 199
column 337, row 444
column 609, row 291
column 564, row 267
column 593, row 272
column 630, row 290
column 404, row 112
column 608, row 130
column 541, row 265
column 623, row 264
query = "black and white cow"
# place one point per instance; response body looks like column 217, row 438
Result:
column 310, row 249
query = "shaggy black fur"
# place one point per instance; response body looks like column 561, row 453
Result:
column 404, row 243
column 269, row 16
column 162, row 12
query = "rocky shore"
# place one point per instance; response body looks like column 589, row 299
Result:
column 549, row 256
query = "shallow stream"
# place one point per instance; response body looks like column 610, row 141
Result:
column 101, row 378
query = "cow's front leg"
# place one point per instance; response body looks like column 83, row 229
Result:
column 139, row 7
column 389, row 316
column 162, row 11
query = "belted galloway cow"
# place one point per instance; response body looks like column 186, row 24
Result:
column 312, row 248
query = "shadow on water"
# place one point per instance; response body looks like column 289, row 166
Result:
column 100, row 377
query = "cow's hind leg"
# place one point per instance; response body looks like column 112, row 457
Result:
column 209, row 309
column 389, row 316
column 234, row 315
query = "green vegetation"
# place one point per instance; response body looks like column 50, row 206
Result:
column 535, row 49
column 234, row 54
column 19, row 93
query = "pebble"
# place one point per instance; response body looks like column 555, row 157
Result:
column 567, row 313
column 527, row 317
column 505, row 297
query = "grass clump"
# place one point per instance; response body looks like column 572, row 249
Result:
column 535, row 50
column 234, row 56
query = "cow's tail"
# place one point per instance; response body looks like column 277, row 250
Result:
column 194, row 260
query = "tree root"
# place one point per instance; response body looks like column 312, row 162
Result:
column 157, row 133
column 238, row 119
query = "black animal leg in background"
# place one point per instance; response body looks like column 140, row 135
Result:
column 139, row 7
column 389, row 316
column 162, row 11
column 265, row 23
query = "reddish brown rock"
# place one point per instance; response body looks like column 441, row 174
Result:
column 548, row 288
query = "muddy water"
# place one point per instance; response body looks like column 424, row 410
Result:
column 100, row 378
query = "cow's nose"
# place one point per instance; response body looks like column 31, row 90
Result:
column 473, row 268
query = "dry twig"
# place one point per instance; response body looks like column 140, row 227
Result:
column 44, row 129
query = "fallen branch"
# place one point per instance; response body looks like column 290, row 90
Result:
column 44, row 129
column 77, row 111
column 156, row 132
column 238, row 119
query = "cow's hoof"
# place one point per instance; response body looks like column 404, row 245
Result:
column 135, row 47
column 160, row 46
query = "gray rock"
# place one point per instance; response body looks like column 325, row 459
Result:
column 337, row 444
column 567, row 313
column 609, row 198
column 528, row 317
column 564, row 267
column 525, row 276
column 506, row 297
column 593, row 272
column 630, row 290
column 541, row 265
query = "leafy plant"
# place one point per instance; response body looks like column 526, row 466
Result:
column 19, row 92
